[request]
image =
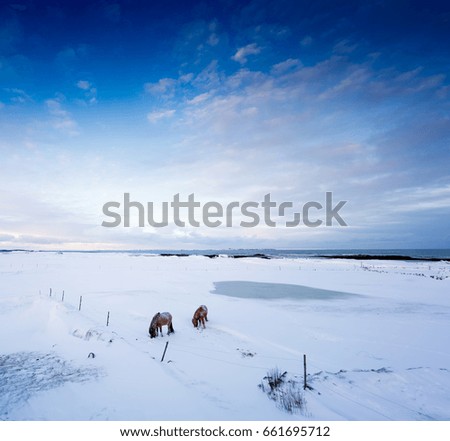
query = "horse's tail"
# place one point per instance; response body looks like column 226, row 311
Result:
column 171, row 330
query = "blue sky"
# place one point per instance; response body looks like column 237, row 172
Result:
column 229, row 100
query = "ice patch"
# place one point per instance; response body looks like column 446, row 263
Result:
column 260, row 290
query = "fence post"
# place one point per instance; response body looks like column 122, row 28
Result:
column 62, row 298
column 304, row 372
column 164, row 353
column 107, row 319
column 50, row 294
column 79, row 306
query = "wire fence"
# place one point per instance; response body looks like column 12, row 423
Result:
column 213, row 354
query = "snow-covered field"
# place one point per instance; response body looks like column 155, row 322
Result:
column 376, row 337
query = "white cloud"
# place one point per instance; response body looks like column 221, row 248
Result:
column 420, row 199
column 284, row 66
column 163, row 86
column 70, row 55
column 55, row 108
column 199, row 98
column 7, row 238
column 62, row 120
column 90, row 92
column 84, row 85
column 354, row 81
column 166, row 88
column 186, row 78
column 158, row 115
column 209, row 77
column 19, row 96
column 67, row 125
column 242, row 53
column 344, row 47
column 213, row 39
column 306, row 41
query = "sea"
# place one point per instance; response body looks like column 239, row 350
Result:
column 432, row 253
column 297, row 253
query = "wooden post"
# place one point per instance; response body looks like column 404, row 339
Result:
column 79, row 306
column 107, row 319
column 50, row 292
column 62, row 298
column 304, row 372
column 164, row 353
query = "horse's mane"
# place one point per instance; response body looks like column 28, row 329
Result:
column 154, row 320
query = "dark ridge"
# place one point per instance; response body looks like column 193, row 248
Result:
column 213, row 256
column 258, row 255
column 11, row 251
column 383, row 257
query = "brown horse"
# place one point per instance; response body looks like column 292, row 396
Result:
column 159, row 320
column 200, row 315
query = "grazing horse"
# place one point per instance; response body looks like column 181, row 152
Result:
column 200, row 315
column 159, row 320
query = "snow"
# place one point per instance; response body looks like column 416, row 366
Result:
column 375, row 336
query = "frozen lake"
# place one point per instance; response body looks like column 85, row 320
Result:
column 264, row 290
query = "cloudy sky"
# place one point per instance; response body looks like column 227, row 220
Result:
column 228, row 100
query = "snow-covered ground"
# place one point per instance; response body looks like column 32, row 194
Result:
column 375, row 335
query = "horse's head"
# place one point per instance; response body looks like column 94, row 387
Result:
column 195, row 322
column 154, row 325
